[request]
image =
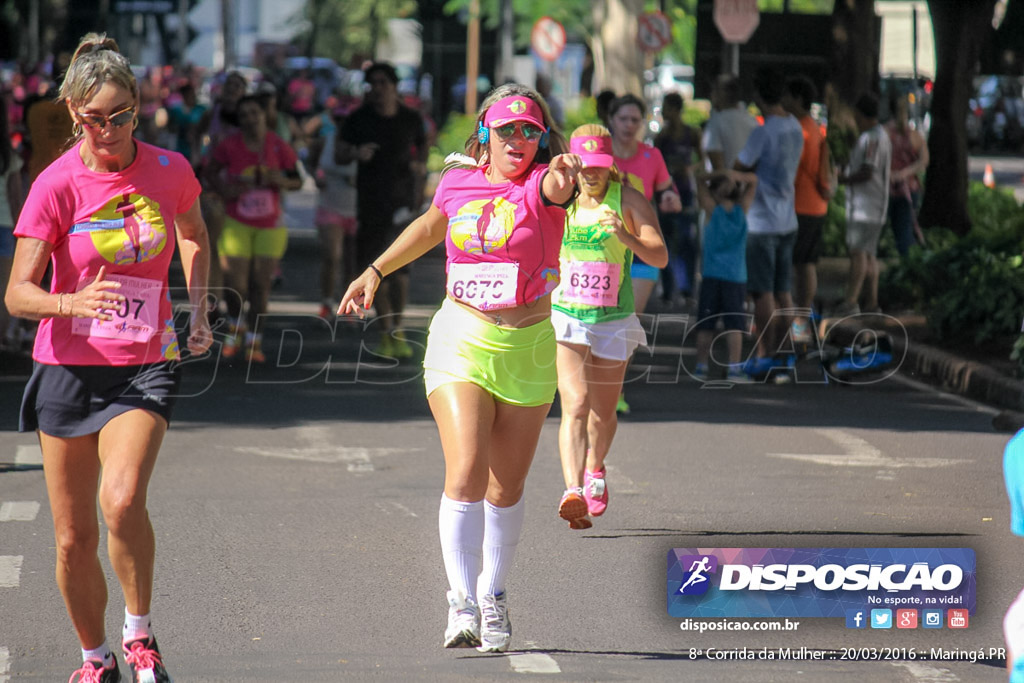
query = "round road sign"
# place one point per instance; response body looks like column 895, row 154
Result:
column 654, row 31
column 547, row 39
column 736, row 19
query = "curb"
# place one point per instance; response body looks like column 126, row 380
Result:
column 956, row 375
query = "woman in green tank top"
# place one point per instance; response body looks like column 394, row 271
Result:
column 594, row 317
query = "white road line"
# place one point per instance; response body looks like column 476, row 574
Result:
column 5, row 664
column 28, row 455
column 19, row 511
column 357, row 459
column 10, row 570
column 859, row 453
column 533, row 663
column 926, row 673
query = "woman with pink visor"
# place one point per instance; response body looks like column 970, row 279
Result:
column 490, row 360
column 594, row 317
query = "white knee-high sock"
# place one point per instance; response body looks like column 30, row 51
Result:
column 461, row 526
column 502, row 528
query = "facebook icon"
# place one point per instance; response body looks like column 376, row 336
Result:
column 856, row 618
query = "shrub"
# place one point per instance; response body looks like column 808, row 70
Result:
column 970, row 288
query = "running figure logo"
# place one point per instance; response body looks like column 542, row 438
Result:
column 695, row 581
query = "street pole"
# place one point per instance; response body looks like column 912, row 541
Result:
column 33, row 33
column 508, row 18
column 227, row 19
column 472, row 56
column 182, row 31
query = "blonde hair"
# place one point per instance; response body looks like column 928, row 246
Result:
column 556, row 141
column 96, row 61
column 598, row 131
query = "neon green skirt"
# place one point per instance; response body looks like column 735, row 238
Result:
column 515, row 365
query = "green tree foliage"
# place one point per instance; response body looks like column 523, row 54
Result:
column 343, row 29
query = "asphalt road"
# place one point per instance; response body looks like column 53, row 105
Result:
column 295, row 512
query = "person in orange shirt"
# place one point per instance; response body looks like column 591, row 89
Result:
column 815, row 184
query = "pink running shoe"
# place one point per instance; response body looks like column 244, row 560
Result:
column 595, row 491
column 573, row 509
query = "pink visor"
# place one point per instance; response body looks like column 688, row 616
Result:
column 514, row 108
column 595, row 150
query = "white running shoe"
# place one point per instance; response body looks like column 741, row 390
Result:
column 495, row 626
column 463, row 621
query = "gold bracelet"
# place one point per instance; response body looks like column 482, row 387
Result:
column 60, row 304
column 71, row 305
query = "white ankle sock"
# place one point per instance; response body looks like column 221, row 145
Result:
column 99, row 654
column 461, row 526
column 136, row 627
column 502, row 528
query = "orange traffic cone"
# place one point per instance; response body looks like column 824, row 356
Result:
column 989, row 179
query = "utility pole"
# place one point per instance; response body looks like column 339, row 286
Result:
column 508, row 19
column 472, row 56
column 228, row 24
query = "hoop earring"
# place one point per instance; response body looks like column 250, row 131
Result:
column 76, row 129
column 483, row 133
column 135, row 123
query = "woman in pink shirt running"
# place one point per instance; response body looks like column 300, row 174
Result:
column 490, row 358
column 106, row 215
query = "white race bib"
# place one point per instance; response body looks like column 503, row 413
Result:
column 593, row 283
column 135, row 319
column 484, row 285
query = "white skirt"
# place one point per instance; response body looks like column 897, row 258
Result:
column 612, row 340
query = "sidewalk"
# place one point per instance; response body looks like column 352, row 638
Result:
column 934, row 366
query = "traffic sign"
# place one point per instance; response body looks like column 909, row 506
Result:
column 654, row 31
column 547, row 39
column 736, row 19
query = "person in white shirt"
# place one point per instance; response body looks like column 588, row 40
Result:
column 867, row 201
column 729, row 126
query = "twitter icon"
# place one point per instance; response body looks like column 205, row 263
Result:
column 881, row 618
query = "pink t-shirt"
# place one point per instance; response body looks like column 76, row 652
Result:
column 645, row 170
column 260, row 207
column 125, row 221
column 502, row 223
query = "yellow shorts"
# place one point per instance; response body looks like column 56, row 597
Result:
column 515, row 365
column 239, row 240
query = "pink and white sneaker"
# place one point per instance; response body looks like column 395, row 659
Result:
column 595, row 492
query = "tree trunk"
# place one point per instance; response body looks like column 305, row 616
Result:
column 854, row 66
column 617, row 59
column 959, row 28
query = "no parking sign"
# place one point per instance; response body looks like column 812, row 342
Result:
column 547, row 39
column 654, row 31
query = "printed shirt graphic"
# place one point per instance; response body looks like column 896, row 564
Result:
column 503, row 222
column 124, row 221
column 586, row 241
column 261, row 206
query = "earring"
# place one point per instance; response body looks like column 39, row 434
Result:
column 543, row 144
column 135, row 123
column 483, row 133
column 76, row 129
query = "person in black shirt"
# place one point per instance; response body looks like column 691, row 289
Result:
column 388, row 140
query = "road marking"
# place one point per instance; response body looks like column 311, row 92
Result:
column 5, row 664
column 925, row 673
column 18, row 511
column 28, row 455
column 385, row 507
column 10, row 570
column 859, row 453
column 533, row 663
column 357, row 459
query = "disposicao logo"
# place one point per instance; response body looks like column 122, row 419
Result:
column 817, row 582
column 517, row 106
column 590, row 145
